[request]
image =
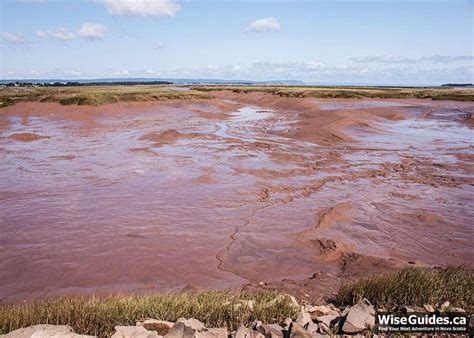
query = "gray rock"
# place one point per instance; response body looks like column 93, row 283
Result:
column 444, row 307
column 429, row 308
column 133, row 332
column 359, row 317
column 242, row 332
column 192, row 323
column 312, row 327
column 216, row 332
column 44, row 331
column 256, row 334
column 286, row 323
column 162, row 327
column 256, row 325
column 271, row 330
column 180, row 330
column 297, row 331
column 327, row 320
column 322, row 310
column 303, row 317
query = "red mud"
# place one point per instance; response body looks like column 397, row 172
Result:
column 300, row 194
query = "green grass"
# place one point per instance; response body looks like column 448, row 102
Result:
column 414, row 287
column 96, row 315
column 351, row 92
column 94, row 95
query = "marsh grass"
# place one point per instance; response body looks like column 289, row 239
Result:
column 350, row 92
column 96, row 315
column 94, row 95
column 414, row 287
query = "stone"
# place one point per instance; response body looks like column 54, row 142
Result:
column 429, row 308
column 327, row 320
column 216, row 332
column 297, row 331
column 180, row 330
column 133, row 332
column 286, row 323
column 407, row 309
column 444, row 307
column 271, row 330
column 359, row 317
column 303, row 317
column 44, row 331
column 162, row 327
column 192, row 323
column 256, row 325
column 457, row 309
column 322, row 310
column 312, row 327
column 242, row 332
column 256, row 334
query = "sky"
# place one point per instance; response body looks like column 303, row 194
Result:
column 404, row 42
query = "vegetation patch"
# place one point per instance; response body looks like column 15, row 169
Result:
column 414, row 287
column 95, row 95
column 95, row 315
column 351, row 92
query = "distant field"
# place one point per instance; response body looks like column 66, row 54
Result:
column 350, row 92
column 94, row 95
column 103, row 94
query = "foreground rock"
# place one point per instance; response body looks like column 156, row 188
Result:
column 359, row 317
column 310, row 322
column 44, row 331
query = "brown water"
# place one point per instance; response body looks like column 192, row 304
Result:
column 160, row 197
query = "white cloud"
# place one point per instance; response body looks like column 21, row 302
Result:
column 60, row 33
column 14, row 39
column 159, row 45
column 123, row 73
column 386, row 59
column 92, row 31
column 270, row 24
column 88, row 31
column 141, row 7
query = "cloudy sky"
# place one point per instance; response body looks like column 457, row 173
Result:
column 328, row 42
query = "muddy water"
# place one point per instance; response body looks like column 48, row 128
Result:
column 155, row 198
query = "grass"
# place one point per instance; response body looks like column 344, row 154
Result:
column 414, row 287
column 96, row 315
column 351, row 92
column 94, row 95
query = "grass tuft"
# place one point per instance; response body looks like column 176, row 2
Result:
column 98, row 315
column 414, row 287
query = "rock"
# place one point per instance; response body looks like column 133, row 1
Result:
column 312, row 327
column 242, row 332
column 429, row 308
column 286, row 323
column 319, row 335
column 322, row 310
column 297, row 331
column 271, row 330
column 44, row 331
column 303, row 317
column 133, row 332
column 256, row 334
column 192, row 323
column 162, row 327
column 457, row 309
column 256, row 325
column 216, row 332
column 359, row 317
column 407, row 309
column 180, row 330
column 327, row 320
column 444, row 307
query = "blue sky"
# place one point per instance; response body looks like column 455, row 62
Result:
column 332, row 42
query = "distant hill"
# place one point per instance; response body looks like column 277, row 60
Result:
column 457, row 85
column 136, row 81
